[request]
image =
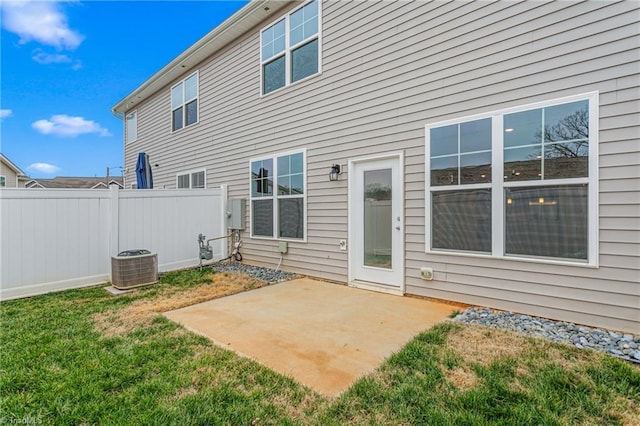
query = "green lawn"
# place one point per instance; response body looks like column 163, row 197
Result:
column 85, row 357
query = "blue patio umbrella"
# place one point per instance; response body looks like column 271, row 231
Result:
column 144, row 176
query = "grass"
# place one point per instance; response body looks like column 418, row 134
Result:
column 455, row 313
column 85, row 357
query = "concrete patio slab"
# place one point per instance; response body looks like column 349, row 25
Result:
column 323, row 335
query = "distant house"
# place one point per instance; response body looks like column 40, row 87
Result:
column 11, row 176
column 481, row 152
column 75, row 182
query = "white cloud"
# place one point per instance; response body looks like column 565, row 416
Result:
column 45, row 58
column 45, row 168
column 41, row 21
column 48, row 58
column 64, row 125
column 4, row 113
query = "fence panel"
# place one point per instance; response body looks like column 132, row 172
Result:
column 168, row 223
column 52, row 240
column 56, row 239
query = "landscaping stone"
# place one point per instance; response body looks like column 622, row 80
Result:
column 625, row 346
column 264, row 274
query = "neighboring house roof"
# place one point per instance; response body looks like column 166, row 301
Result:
column 74, row 182
column 12, row 166
column 243, row 20
column 33, row 184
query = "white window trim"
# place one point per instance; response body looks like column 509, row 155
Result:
column 184, row 102
column 497, row 185
column 288, row 49
column 126, row 128
column 275, row 197
column 190, row 173
column 3, row 178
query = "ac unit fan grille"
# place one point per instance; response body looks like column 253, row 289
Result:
column 134, row 271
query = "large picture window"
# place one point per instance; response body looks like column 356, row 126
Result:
column 278, row 196
column 184, row 103
column 515, row 183
column 290, row 48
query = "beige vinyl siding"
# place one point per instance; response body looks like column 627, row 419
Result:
column 389, row 68
column 11, row 178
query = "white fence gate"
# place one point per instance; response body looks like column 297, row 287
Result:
column 56, row 239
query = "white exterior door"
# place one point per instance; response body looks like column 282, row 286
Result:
column 376, row 224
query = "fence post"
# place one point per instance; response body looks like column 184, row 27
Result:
column 225, row 219
column 114, row 225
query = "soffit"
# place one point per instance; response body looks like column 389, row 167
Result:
column 224, row 34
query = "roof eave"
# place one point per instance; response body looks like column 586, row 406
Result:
column 15, row 168
column 240, row 22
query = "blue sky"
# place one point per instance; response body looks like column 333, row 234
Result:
column 64, row 64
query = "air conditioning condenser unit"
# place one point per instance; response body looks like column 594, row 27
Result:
column 134, row 268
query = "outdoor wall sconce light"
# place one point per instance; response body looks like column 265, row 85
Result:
column 335, row 171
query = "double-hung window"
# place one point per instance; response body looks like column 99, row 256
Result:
column 278, row 207
column 290, row 48
column 516, row 183
column 131, row 126
column 191, row 180
column 184, row 103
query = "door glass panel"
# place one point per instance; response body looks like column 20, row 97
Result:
column 378, row 220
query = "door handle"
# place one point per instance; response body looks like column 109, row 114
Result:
column 398, row 227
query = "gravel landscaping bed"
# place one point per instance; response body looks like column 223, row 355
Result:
column 264, row 274
column 621, row 345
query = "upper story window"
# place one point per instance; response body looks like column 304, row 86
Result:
column 516, row 183
column 3, row 181
column 192, row 180
column 290, row 48
column 184, row 102
column 131, row 127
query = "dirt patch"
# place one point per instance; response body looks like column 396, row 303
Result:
column 182, row 393
column 462, row 378
column 482, row 345
column 626, row 410
column 246, row 380
column 297, row 409
column 142, row 312
column 568, row 361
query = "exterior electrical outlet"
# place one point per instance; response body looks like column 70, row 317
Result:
column 283, row 246
column 426, row 274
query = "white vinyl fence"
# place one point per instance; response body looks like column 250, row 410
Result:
column 55, row 239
